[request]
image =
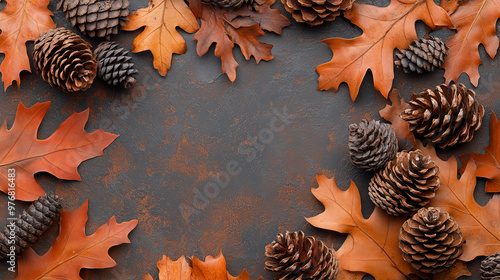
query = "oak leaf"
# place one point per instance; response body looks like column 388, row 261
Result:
column 59, row 155
column 475, row 21
column 160, row 36
column 391, row 113
column 384, row 29
column 241, row 26
column 196, row 269
column 488, row 165
column 21, row 21
column 74, row 250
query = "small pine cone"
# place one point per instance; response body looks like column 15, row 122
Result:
column 229, row 3
column 406, row 184
column 422, row 55
column 431, row 240
column 372, row 144
column 490, row 268
column 31, row 224
column 316, row 12
column 447, row 116
column 296, row 256
column 99, row 18
column 114, row 64
column 65, row 60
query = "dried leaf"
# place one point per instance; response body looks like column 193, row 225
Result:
column 475, row 21
column 391, row 113
column 210, row 269
column 59, row 155
column 488, row 165
column 160, row 36
column 21, row 21
column 74, row 250
column 242, row 26
column 384, row 29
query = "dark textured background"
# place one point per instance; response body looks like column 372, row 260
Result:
column 179, row 129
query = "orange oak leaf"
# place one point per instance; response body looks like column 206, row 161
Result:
column 384, row 29
column 21, row 21
column 475, row 21
column 196, row 269
column 74, row 250
column 160, row 36
column 391, row 113
column 479, row 224
column 372, row 245
column 242, row 26
column 487, row 163
column 59, row 155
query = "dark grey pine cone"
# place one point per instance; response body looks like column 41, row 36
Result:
column 490, row 268
column 99, row 18
column 406, row 184
column 31, row 224
column 431, row 240
column 372, row 144
column 446, row 116
column 114, row 64
column 296, row 256
column 422, row 55
column 229, row 3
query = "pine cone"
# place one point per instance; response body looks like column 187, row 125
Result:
column 447, row 116
column 490, row 268
column 406, row 184
column 296, row 256
column 422, row 55
column 96, row 18
column 229, row 3
column 65, row 60
column 31, row 224
column 114, row 64
column 431, row 240
column 316, row 12
column 372, row 144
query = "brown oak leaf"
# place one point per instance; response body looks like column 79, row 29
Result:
column 21, row 21
column 475, row 21
column 242, row 26
column 391, row 113
column 196, row 269
column 160, row 36
column 59, row 155
column 384, row 29
column 479, row 224
column 74, row 250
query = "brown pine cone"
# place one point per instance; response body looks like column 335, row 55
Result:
column 31, row 224
column 65, row 60
column 114, row 64
column 316, row 12
column 229, row 3
column 446, row 116
column 490, row 268
column 406, row 184
column 372, row 144
column 99, row 18
column 422, row 55
column 431, row 240
column 296, row 256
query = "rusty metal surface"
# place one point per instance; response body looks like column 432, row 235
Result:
column 177, row 131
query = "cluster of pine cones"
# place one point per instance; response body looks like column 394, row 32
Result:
column 67, row 62
column 406, row 181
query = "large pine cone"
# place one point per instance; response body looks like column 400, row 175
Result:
column 31, row 224
column 431, row 240
column 316, row 12
column 406, row 184
column 490, row 268
column 372, row 144
column 447, row 116
column 296, row 256
column 114, row 64
column 65, row 60
column 229, row 3
column 99, row 18
column 422, row 55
